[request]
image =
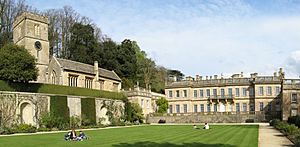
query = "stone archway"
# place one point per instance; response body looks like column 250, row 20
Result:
column 27, row 113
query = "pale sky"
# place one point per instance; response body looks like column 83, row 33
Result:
column 204, row 37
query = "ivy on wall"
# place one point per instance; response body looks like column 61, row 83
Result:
column 88, row 111
column 59, row 109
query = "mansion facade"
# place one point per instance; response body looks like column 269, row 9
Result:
column 271, row 95
column 31, row 31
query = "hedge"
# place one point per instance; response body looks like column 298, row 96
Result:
column 59, row 110
column 58, row 89
column 88, row 111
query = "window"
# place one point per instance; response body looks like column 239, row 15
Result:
column 244, row 107
column 237, row 107
column 269, row 90
column 244, row 91
column 142, row 103
column 215, row 92
column 147, row 103
column 88, row 82
column 222, row 92
column 277, row 90
column 53, row 79
column 196, row 108
column 201, row 93
column 170, row 93
column 208, row 107
column 101, row 82
column 177, row 108
column 294, row 98
column 195, row 93
column 207, row 92
column 185, row 108
column 251, row 92
column 115, row 86
column 37, row 30
column 184, row 93
column 261, row 106
column 252, row 108
column 261, row 91
column 237, row 92
column 177, row 93
column 230, row 92
column 170, row 109
column 270, row 106
column 215, row 107
column 72, row 79
column 201, row 107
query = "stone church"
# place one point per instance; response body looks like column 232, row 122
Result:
column 31, row 31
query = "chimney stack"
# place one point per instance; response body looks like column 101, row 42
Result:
column 210, row 77
column 242, row 74
column 96, row 70
column 206, row 77
column 197, row 77
column 215, row 77
column 200, row 77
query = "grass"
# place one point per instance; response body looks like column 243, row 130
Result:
column 150, row 136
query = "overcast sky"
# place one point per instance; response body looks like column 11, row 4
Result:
column 203, row 37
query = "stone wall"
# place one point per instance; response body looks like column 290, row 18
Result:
column 215, row 118
column 21, row 107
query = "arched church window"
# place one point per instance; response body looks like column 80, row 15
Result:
column 53, row 77
column 36, row 30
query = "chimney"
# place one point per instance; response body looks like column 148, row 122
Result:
column 215, row 77
column 206, row 77
column 210, row 77
column 200, row 77
column 197, row 77
column 275, row 74
column 253, row 75
column 96, row 70
column 242, row 74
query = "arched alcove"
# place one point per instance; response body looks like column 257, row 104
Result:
column 27, row 113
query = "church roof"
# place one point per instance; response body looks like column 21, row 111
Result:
column 86, row 68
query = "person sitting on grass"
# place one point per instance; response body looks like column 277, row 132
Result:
column 206, row 126
column 73, row 135
column 68, row 136
column 81, row 136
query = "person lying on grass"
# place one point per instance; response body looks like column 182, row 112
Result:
column 206, row 126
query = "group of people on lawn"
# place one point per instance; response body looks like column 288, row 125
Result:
column 206, row 126
column 72, row 136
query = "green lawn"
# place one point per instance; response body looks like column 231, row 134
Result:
column 151, row 136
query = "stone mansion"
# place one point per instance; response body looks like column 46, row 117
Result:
column 31, row 31
column 269, row 95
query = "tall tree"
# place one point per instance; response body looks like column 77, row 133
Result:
column 17, row 64
column 82, row 44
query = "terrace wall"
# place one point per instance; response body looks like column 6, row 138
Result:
column 210, row 118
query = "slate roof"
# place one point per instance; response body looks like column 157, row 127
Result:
column 86, row 68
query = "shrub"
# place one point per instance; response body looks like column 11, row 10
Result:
column 25, row 128
column 43, row 129
column 274, row 122
column 294, row 120
column 51, row 121
column 59, row 112
column 291, row 129
column 74, row 122
column 161, row 121
column 5, row 131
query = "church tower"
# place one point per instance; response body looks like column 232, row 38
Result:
column 31, row 31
